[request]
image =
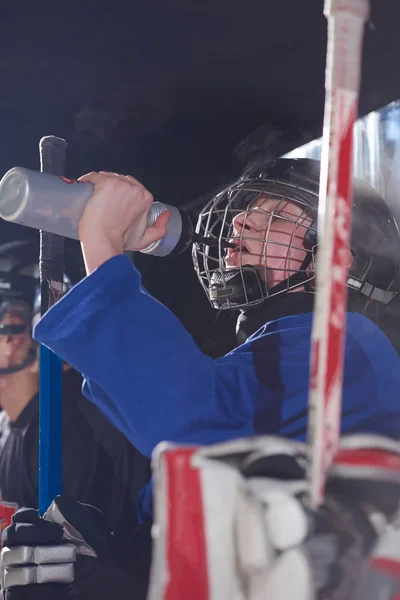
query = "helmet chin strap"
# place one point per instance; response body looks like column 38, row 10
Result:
column 232, row 288
column 30, row 358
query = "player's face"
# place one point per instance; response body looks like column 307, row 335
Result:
column 271, row 236
column 14, row 348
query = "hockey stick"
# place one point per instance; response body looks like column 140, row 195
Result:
column 346, row 19
column 51, row 264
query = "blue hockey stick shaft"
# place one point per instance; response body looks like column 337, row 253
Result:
column 51, row 265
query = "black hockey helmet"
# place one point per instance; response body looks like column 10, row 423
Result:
column 18, row 288
column 20, row 292
column 375, row 239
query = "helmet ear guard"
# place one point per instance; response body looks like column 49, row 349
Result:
column 359, row 274
column 361, row 269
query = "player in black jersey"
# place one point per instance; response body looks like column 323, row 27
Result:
column 99, row 465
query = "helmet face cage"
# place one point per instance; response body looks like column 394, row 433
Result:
column 246, row 197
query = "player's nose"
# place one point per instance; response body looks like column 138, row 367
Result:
column 240, row 221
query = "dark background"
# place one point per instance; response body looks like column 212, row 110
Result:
column 166, row 90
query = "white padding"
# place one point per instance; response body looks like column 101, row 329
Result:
column 20, row 576
column 291, row 579
column 38, row 555
column 254, row 549
column 286, row 520
column 220, row 488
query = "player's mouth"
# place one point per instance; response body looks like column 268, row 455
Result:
column 233, row 255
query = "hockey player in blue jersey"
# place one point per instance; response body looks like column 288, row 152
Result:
column 142, row 368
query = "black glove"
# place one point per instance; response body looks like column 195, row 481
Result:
column 42, row 542
column 103, row 567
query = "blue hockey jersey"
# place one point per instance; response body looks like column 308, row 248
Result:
column 146, row 374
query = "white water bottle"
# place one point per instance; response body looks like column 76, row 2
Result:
column 56, row 204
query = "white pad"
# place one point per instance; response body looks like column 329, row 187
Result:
column 17, row 576
column 38, row 555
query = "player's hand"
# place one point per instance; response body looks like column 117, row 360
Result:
column 36, row 563
column 67, row 553
column 116, row 218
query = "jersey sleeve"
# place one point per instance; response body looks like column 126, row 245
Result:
column 142, row 368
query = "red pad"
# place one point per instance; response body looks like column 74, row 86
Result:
column 186, row 546
column 369, row 458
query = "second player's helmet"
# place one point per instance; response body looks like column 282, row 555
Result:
column 20, row 293
column 375, row 240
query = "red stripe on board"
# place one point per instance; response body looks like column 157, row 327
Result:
column 369, row 458
column 186, row 546
column 388, row 566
